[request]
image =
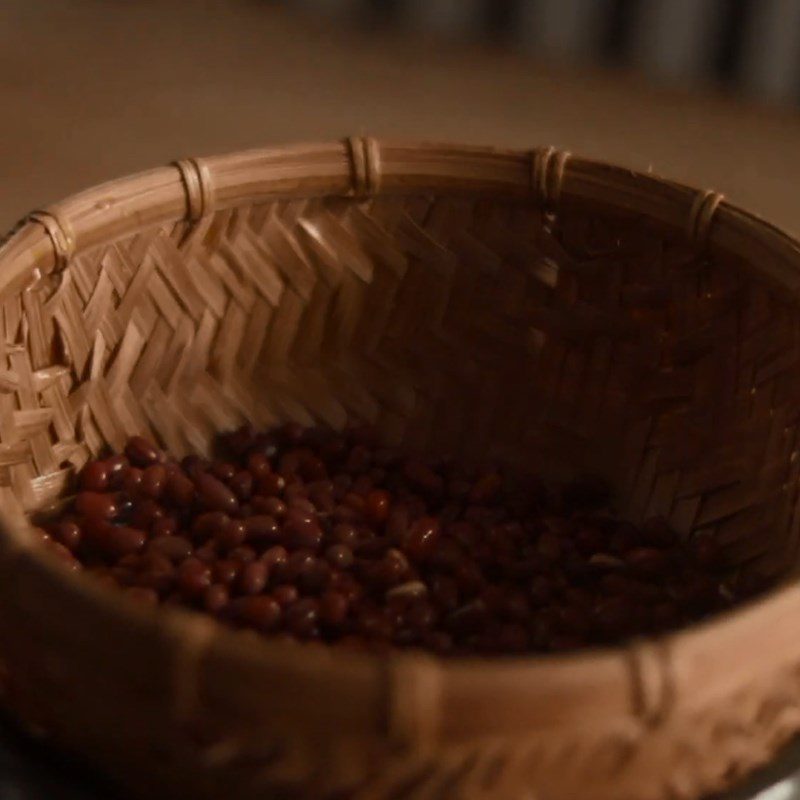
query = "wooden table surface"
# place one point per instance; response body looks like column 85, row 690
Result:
column 91, row 89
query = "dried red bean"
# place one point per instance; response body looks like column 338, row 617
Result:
column 422, row 538
column 302, row 618
column 175, row 548
column 242, row 485
column 141, row 452
column 270, row 485
column 243, row 553
column 179, row 490
column 302, row 529
column 209, row 525
column 223, row 470
column 226, row 571
column 253, row 578
column 215, row 598
column 94, row 477
column 146, row 512
column 261, row 612
column 285, row 595
column 95, row 504
column 232, row 534
column 194, row 577
column 69, row 534
column 122, row 541
column 166, row 526
column 153, row 481
column 262, row 528
column 376, row 506
column 215, row 495
column 345, row 534
column 340, row 556
column 315, row 577
column 485, row 489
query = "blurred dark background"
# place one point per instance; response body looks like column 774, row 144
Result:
column 703, row 91
column 752, row 46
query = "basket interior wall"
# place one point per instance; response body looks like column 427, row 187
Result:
column 595, row 342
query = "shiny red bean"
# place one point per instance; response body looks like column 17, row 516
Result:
column 215, row 495
column 262, row 528
column 261, row 612
column 141, row 452
column 194, row 577
column 333, row 607
column 302, row 618
column 253, row 578
column 95, row 504
column 179, row 490
column 175, row 548
column 232, row 535
column 69, row 534
column 94, row 477
column 422, row 538
column 215, row 598
column 153, row 481
column 122, row 541
column 340, row 556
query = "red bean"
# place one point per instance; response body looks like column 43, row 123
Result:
column 422, row 538
column 262, row 528
column 223, row 470
column 232, row 534
column 166, row 526
column 285, row 595
column 340, row 556
column 215, row 598
column 122, row 541
column 302, row 618
column 146, row 512
column 302, row 530
column 270, row 485
column 376, row 506
column 194, row 577
column 345, row 534
column 258, row 465
column 94, row 477
column 261, row 612
column 243, row 553
column 141, row 452
column 153, row 481
column 179, row 490
column 253, row 578
column 215, row 495
column 175, row 548
column 485, row 489
column 242, row 485
column 275, row 556
column 333, row 607
column 69, row 534
column 94, row 504
column 227, row 571
column 209, row 525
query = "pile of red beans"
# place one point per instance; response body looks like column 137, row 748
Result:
column 317, row 535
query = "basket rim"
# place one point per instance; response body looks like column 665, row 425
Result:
column 646, row 679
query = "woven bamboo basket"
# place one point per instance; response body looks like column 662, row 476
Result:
column 550, row 312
